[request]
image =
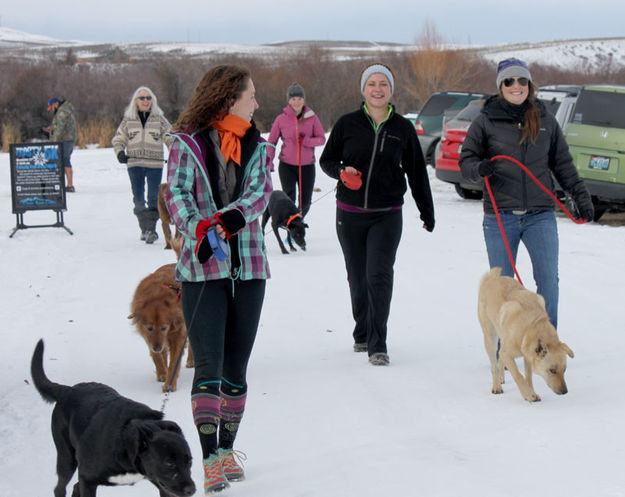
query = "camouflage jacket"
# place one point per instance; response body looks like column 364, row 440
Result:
column 63, row 127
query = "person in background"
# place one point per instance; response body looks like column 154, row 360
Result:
column 514, row 123
column 138, row 143
column 219, row 185
column 63, row 129
column 301, row 131
column 371, row 152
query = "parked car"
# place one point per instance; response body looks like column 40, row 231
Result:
column 449, row 148
column 596, row 138
column 430, row 121
column 411, row 115
column 455, row 130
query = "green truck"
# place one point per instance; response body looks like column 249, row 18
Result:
column 595, row 132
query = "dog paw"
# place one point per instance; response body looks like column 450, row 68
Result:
column 189, row 364
column 285, row 252
column 497, row 390
column 533, row 398
column 172, row 389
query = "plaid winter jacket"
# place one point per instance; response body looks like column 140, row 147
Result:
column 189, row 199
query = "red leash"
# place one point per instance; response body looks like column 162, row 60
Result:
column 545, row 189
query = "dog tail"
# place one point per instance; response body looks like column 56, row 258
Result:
column 51, row 392
column 493, row 273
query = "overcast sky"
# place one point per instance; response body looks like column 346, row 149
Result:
column 257, row 22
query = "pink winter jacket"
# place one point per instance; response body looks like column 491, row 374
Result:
column 299, row 137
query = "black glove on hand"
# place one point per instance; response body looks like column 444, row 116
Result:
column 233, row 221
column 586, row 209
column 486, row 168
column 122, row 157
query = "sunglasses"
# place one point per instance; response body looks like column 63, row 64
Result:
column 508, row 82
column 150, row 98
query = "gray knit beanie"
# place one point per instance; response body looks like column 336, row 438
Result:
column 512, row 68
column 376, row 68
column 295, row 90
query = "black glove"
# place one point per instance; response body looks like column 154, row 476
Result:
column 585, row 208
column 486, row 168
column 122, row 157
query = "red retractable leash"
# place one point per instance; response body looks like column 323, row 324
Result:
column 545, row 189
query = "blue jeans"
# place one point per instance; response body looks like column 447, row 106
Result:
column 539, row 233
column 138, row 176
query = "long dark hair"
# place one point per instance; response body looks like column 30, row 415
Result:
column 218, row 89
column 531, row 117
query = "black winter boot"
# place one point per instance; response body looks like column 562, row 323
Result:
column 150, row 233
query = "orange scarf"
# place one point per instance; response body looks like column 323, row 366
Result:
column 231, row 129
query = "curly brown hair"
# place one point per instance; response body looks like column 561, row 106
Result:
column 218, row 89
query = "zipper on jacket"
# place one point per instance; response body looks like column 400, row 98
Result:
column 523, row 175
column 382, row 143
column 375, row 146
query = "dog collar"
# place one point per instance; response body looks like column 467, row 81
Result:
column 220, row 247
column 294, row 216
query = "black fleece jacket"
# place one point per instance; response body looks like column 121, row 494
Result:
column 385, row 158
column 497, row 130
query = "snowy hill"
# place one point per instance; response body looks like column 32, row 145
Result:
column 588, row 53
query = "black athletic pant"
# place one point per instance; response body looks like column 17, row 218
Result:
column 223, row 330
column 222, row 319
column 289, row 179
column 369, row 242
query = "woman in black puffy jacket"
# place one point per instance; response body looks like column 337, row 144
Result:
column 515, row 124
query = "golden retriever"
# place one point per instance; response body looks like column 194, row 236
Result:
column 166, row 218
column 516, row 318
column 156, row 313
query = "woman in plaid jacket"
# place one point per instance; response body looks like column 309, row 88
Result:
column 218, row 187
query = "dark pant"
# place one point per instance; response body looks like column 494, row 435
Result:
column 289, row 179
column 138, row 177
column 222, row 320
column 222, row 328
column 369, row 242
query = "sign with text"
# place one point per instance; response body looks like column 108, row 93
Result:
column 37, row 177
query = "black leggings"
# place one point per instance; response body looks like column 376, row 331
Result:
column 369, row 242
column 223, row 330
column 289, row 179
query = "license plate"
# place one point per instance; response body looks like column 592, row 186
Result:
column 599, row 162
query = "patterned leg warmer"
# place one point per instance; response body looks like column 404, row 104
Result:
column 232, row 407
column 206, row 417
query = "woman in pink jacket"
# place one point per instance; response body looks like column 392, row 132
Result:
column 301, row 131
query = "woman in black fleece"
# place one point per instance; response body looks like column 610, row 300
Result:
column 372, row 151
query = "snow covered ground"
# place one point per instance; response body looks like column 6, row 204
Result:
column 320, row 420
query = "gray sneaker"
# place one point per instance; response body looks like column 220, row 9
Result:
column 379, row 359
column 151, row 236
column 360, row 347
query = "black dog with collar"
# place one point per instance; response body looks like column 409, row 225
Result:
column 284, row 214
column 112, row 440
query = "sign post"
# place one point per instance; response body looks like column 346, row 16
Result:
column 38, row 182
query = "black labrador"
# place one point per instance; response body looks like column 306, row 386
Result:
column 284, row 214
column 112, row 440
